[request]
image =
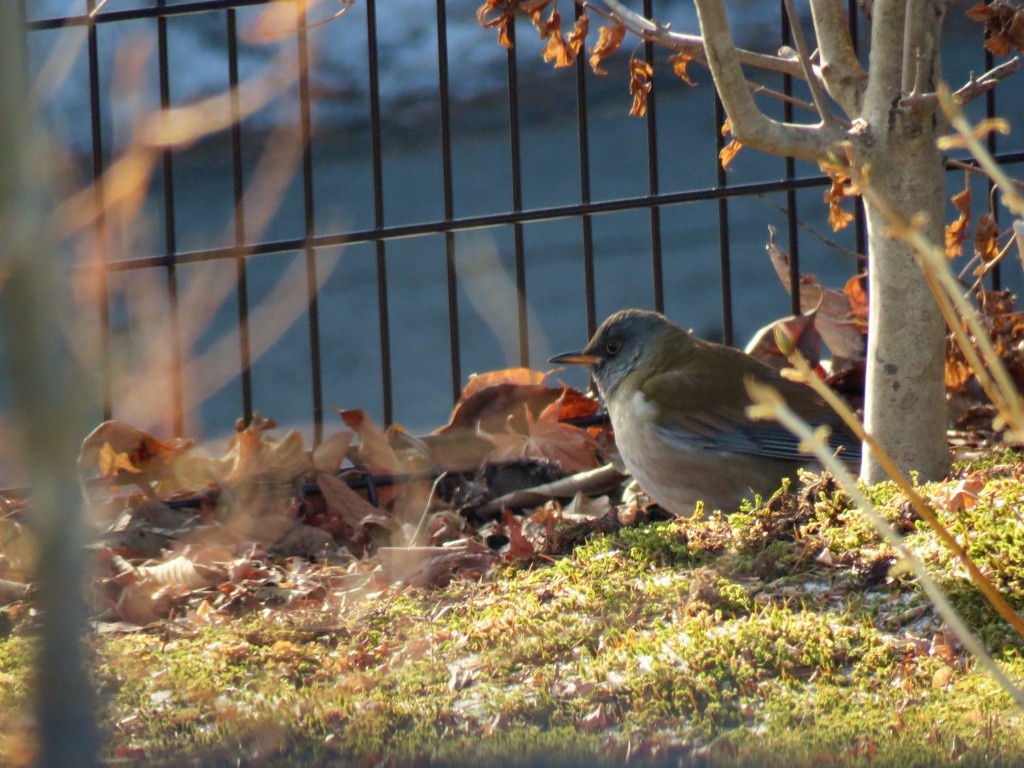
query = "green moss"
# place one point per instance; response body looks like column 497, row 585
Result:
column 778, row 636
column 15, row 660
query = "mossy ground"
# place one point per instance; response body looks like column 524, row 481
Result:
column 780, row 635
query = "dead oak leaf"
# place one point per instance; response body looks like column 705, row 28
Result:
column 556, row 49
column 374, row 451
column 328, row 456
column 578, row 35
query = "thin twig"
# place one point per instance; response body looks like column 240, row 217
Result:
column 817, row 92
column 989, row 266
column 597, row 480
column 811, row 230
column 973, row 88
column 660, row 34
column 973, row 167
column 757, row 88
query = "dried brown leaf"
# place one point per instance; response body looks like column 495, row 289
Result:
column 126, row 455
column 574, row 449
column 640, row 74
column 519, row 547
column 986, row 237
column 181, row 571
column 374, row 452
column 858, row 296
column 680, row 61
column 497, row 14
column 328, row 456
column 836, row 193
column 609, row 40
column 730, row 150
column 832, row 320
column 578, row 35
column 489, row 409
column 345, row 504
column 481, row 381
column 1004, row 26
column 957, row 230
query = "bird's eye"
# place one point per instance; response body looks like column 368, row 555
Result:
column 613, row 346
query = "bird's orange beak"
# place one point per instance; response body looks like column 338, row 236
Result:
column 575, row 358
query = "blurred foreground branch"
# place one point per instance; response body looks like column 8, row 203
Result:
column 44, row 396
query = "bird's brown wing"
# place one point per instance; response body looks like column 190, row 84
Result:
column 709, row 411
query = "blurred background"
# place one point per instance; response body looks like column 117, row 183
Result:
column 403, row 202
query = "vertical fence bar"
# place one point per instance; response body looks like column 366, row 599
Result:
column 47, row 394
column 170, row 232
column 378, row 211
column 586, row 222
column 517, row 194
column 653, row 186
column 102, row 255
column 449, row 200
column 723, row 228
column 309, row 227
column 238, row 187
column 792, row 227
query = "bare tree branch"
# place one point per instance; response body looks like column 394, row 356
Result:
column 973, row 88
column 593, row 481
column 692, row 45
column 749, row 124
column 885, row 63
column 844, row 77
column 920, row 44
column 757, row 88
column 805, row 63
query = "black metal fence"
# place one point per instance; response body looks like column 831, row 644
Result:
column 667, row 193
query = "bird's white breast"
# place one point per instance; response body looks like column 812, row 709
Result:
column 673, row 475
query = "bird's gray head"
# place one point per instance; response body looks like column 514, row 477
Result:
column 618, row 347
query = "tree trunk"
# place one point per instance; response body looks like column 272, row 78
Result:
column 904, row 407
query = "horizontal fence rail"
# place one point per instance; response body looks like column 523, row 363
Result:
column 664, row 203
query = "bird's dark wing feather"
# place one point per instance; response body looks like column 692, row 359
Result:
column 710, row 413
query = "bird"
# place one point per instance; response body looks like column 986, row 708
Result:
column 677, row 406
